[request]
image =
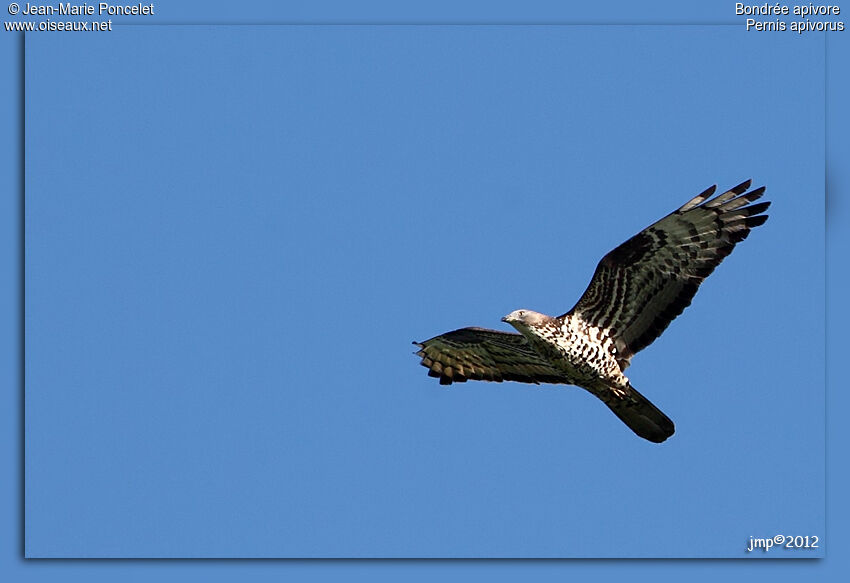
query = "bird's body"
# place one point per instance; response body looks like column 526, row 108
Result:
column 584, row 354
column 636, row 291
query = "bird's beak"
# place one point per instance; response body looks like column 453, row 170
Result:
column 504, row 318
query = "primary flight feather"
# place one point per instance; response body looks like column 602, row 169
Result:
column 636, row 291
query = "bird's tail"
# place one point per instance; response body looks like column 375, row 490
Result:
column 642, row 417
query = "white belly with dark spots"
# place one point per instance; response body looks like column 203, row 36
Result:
column 584, row 353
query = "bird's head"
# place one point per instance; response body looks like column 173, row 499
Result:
column 525, row 319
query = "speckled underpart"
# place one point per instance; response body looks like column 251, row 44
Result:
column 585, row 354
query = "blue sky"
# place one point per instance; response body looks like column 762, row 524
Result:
column 234, row 234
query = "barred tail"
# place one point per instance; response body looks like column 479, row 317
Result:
column 642, row 417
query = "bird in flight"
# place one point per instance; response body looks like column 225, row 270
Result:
column 636, row 291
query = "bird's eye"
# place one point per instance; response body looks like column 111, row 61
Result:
column 521, row 313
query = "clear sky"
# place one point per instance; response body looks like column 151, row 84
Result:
column 234, row 234
column 173, row 276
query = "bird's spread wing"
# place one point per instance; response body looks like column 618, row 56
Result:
column 487, row 355
column 642, row 285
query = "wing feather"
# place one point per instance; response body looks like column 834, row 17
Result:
column 645, row 283
column 487, row 355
